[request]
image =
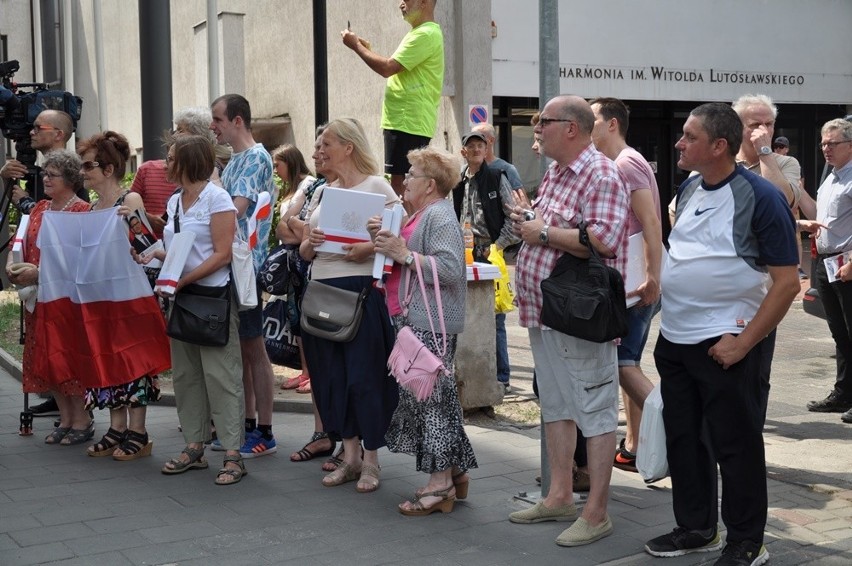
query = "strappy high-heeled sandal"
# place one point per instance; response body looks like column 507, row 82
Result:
column 445, row 505
column 134, row 446
column 107, row 444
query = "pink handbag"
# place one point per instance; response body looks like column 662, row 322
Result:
column 413, row 365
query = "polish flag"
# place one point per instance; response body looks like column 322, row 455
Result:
column 261, row 212
column 97, row 319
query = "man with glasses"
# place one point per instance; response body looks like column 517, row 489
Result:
column 51, row 131
column 484, row 198
column 577, row 379
column 831, row 225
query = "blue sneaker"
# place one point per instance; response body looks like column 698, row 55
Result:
column 216, row 446
column 255, row 445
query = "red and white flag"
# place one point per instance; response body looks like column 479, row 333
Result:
column 97, row 319
column 261, row 212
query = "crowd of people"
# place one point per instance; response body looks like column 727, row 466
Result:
column 731, row 272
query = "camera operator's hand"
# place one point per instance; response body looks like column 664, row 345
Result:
column 13, row 169
column 18, row 193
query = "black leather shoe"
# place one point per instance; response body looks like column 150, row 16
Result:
column 831, row 404
column 847, row 416
column 47, row 409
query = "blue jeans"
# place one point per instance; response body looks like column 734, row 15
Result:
column 502, row 349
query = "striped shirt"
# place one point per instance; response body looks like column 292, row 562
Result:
column 588, row 188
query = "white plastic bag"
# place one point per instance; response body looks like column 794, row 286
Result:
column 242, row 270
column 651, row 457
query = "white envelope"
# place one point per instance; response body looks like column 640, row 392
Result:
column 343, row 216
column 392, row 221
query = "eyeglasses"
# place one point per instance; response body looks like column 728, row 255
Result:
column 39, row 128
column 409, row 176
column 89, row 165
column 826, row 145
column 50, row 175
column 545, row 121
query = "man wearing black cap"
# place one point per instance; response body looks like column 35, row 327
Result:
column 484, row 198
column 781, row 145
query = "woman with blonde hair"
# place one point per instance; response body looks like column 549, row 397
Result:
column 354, row 395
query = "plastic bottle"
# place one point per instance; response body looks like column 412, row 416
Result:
column 468, row 244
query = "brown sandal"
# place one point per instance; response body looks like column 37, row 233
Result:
column 444, row 506
column 134, row 446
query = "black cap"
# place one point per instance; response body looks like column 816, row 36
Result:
column 471, row 135
column 781, row 141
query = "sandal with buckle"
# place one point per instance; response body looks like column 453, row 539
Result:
column 461, row 481
column 305, row 454
column 57, row 435
column 107, row 444
column 134, row 446
column 369, row 478
column 445, row 505
column 196, row 461
column 79, row 435
column 343, row 474
column 234, row 475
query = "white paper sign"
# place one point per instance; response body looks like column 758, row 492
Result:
column 343, row 216
column 175, row 261
column 834, row 263
column 391, row 221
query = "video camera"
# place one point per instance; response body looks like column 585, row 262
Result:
column 19, row 109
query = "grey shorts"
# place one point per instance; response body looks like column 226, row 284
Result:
column 577, row 380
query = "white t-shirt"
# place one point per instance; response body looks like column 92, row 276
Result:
column 196, row 219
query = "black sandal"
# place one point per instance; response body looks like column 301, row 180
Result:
column 107, row 444
column 304, row 454
column 134, row 446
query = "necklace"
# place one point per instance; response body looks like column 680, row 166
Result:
column 67, row 204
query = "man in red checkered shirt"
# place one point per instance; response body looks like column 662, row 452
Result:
column 577, row 379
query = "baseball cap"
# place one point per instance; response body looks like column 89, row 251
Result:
column 469, row 136
column 781, row 141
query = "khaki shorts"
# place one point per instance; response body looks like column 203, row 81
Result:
column 577, row 380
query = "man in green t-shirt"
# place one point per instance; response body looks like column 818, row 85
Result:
column 415, row 75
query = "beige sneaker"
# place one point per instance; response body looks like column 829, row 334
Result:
column 539, row 513
column 581, row 532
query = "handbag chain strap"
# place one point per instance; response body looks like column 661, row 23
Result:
column 409, row 295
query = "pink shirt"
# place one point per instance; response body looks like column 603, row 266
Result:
column 395, row 278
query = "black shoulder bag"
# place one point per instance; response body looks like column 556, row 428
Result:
column 585, row 298
column 200, row 314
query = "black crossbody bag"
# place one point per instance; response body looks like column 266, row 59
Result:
column 585, row 298
column 200, row 314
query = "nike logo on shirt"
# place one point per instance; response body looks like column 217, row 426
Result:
column 699, row 212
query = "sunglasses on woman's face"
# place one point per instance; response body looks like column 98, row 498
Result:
column 89, row 165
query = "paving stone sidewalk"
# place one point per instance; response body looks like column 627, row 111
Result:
column 58, row 506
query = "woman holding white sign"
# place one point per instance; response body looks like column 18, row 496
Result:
column 353, row 393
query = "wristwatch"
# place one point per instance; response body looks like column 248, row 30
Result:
column 542, row 236
column 764, row 150
column 409, row 259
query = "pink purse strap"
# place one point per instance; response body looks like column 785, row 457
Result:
column 409, row 294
